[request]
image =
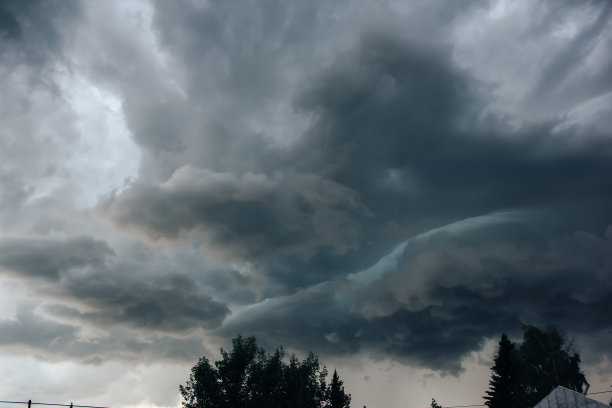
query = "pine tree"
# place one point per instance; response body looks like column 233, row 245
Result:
column 337, row 397
column 504, row 387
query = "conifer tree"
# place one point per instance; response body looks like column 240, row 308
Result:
column 337, row 397
column 504, row 387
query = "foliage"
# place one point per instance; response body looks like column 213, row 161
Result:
column 202, row 389
column 505, row 388
column 434, row 404
column 247, row 377
column 548, row 360
column 337, row 397
column 523, row 376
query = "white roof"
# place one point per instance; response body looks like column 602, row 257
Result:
column 561, row 397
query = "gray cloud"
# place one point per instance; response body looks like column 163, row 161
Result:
column 398, row 132
column 445, row 292
column 91, row 289
column 559, row 86
column 50, row 259
column 35, row 334
column 247, row 217
column 284, row 151
column 398, row 137
column 170, row 303
column 32, row 32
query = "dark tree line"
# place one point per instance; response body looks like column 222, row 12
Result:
column 523, row 375
column 248, row 377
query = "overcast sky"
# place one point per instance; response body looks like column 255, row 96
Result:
column 389, row 184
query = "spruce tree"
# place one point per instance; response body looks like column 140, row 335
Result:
column 504, row 387
column 337, row 397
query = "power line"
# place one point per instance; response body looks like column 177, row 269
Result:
column 599, row 392
column 91, row 406
column 29, row 403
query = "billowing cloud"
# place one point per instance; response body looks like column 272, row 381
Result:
column 391, row 181
column 440, row 294
column 49, row 259
column 396, row 147
column 89, row 288
column 33, row 333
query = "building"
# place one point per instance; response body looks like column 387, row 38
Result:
column 561, row 397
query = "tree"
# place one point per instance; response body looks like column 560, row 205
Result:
column 247, row 377
column 337, row 397
column 305, row 383
column 202, row 389
column 548, row 359
column 434, row 404
column 523, row 376
column 504, row 387
column 232, row 371
column 266, row 383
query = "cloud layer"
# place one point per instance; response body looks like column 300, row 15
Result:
column 396, row 181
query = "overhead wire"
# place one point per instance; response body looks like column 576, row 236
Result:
column 50, row 404
column 92, row 406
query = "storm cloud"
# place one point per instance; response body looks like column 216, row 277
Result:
column 84, row 284
column 397, row 147
column 395, row 181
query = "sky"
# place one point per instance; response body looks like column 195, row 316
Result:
column 389, row 184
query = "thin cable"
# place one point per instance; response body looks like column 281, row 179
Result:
column 66, row 405
column 47, row 403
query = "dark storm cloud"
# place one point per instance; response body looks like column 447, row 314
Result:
column 33, row 29
column 34, row 333
column 296, row 159
column 399, row 133
column 397, row 147
column 239, row 67
column 170, row 303
column 49, row 259
column 93, row 289
column 448, row 291
column 400, row 117
column 247, row 217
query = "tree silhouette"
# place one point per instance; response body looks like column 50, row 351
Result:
column 305, row 382
column 266, row 385
column 523, row 376
column 504, row 387
column 232, row 371
column 337, row 397
column 247, row 377
column 548, row 360
column 202, row 389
